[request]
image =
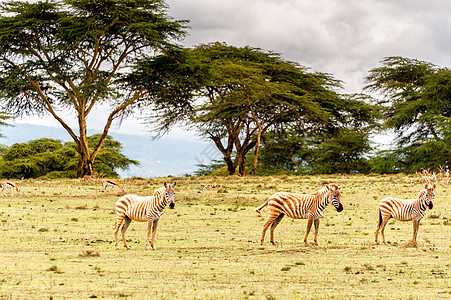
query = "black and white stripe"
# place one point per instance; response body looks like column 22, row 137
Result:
column 143, row 209
column 300, row 206
column 405, row 210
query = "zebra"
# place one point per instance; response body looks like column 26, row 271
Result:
column 112, row 183
column 299, row 206
column 136, row 208
column 11, row 185
column 405, row 210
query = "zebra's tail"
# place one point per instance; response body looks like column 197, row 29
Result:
column 380, row 219
column 257, row 210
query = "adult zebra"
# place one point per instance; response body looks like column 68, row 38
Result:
column 299, row 206
column 405, row 210
column 136, row 208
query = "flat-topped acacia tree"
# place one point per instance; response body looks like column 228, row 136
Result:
column 75, row 55
column 238, row 94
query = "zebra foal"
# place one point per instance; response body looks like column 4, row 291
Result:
column 405, row 210
column 136, row 208
column 299, row 206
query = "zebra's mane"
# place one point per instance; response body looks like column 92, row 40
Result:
column 422, row 194
column 321, row 191
column 159, row 191
column 325, row 189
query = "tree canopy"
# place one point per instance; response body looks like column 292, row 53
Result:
column 417, row 98
column 76, row 55
column 239, row 94
column 52, row 158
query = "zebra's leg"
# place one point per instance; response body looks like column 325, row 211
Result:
column 265, row 227
column 309, row 226
column 149, row 228
column 127, row 222
column 154, row 231
column 382, row 228
column 416, row 226
column 273, row 226
column 316, row 223
column 117, row 226
column 377, row 233
column 378, row 226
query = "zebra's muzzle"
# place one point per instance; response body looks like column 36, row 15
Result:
column 340, row 207
column 431, row 205
column 171, row 205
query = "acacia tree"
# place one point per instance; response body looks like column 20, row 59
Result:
column 75, row 55
column 342, row 146
column 238, row 94
column 417, row 97
column 52, row 158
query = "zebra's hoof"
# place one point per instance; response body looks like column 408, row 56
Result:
column 117, row 248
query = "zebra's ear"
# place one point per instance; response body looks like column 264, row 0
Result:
column 340, row 187
column 429, row 186
column 165, row 184
column 175, row 182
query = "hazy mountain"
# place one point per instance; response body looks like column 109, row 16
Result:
column 162, row 157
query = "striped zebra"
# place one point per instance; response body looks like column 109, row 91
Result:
column 405, row 210
column 9, row 185
column 298, row 206
column 135, row 208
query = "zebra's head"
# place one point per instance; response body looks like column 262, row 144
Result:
column 169, row 193
column 335, row 196
column 428, row 195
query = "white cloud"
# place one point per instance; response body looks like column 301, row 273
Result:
column 343, row 37
column 346, row 38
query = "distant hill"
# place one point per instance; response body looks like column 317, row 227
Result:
column 158, row 158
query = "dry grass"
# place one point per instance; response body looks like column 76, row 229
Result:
column 208, row 245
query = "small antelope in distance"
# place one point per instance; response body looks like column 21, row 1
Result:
column 11, row 185
column 112, row 183
column 405, row 210
column 298, row 206
column 136, row 208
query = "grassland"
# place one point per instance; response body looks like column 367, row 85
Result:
column 57, row 241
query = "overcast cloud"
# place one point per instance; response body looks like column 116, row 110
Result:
column 343, row 37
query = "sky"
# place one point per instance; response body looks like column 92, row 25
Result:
column 345, row 38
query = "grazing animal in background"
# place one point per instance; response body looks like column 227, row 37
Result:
column 405, row 210
column 136, row 208
column 112, row 183
column 299, row 206
column 11, row 185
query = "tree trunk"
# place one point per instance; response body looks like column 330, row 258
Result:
column 84, row 165
column 85, row 160
column 257, row 149
column 242, row 165
column 230, row 166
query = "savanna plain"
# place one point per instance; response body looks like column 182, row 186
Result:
column 57, row 242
